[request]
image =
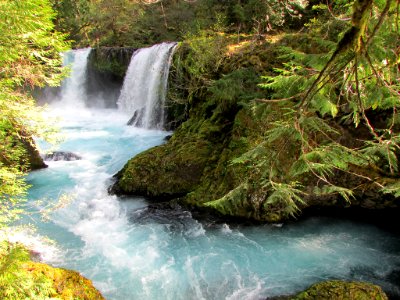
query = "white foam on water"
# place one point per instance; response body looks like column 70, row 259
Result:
column 46, row 249
column 226, row 229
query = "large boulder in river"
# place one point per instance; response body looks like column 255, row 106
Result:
column 61, row 155
column 167, row 171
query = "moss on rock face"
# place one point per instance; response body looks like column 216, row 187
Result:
column 222, row 124
column 169, row 170
column 340, row 290
column 110, row 60
column 34, row 159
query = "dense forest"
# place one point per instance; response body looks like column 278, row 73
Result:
column 276, row 106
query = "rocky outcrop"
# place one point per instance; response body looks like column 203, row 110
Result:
column 23, row 278
column 168, row 171
column 35, row 161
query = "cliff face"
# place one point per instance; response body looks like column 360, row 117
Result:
column 215, row 158
column 106, row 69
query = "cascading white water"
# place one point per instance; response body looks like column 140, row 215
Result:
column 73, row 90
column 144, row 89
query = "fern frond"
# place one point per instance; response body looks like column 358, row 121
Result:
column 346, row 193
column 393, row 189
column 288, row 193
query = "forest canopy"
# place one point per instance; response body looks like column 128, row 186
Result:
column 142, row 23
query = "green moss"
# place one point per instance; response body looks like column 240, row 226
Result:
column 67, row 284
column 21, row 278
column 340, row 290
column 169, row 170
column 234, row 203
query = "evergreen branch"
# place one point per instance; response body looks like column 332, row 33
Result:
column 333, row 15
column 379, row 77
column 397, row 15
column 350, row 39
column 379, row 24
column 360, row 103
column 278, row 100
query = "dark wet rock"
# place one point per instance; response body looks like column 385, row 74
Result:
column 136, row 119
column 105, row 74
column 61, row 155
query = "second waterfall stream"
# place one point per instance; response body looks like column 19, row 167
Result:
column 144, row 90
column 131, row 250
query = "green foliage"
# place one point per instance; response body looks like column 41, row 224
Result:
column 202, row 56
column 21, row 278
column 266, row 160
column 15, row 281
column 141, row 23
column 359, row 81
column 29, row 57
column 288, row 194
column 237, row 86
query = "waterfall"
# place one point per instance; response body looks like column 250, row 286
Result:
column 73, row 88
column 144, row 89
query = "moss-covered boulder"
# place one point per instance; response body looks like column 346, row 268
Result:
column 164, row 171
column 341, row 290
column 195, row 163
column 67, row 284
